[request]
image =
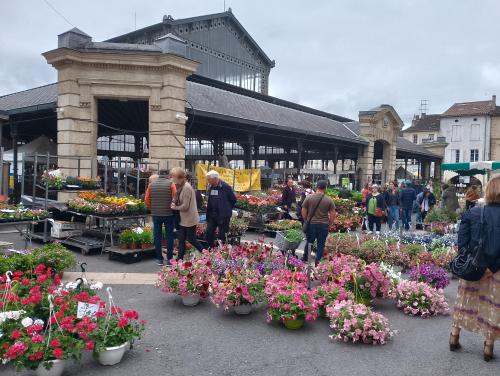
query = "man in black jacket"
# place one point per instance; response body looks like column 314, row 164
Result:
column 288, row 197
column 221, row 201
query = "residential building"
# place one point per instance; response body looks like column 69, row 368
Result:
column 423, row 128
column 467, row 128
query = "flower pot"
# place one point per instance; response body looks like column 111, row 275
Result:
column 243, row 309
column 123, row 246
column 112, row 355
column 191, row 300
column 56, row 369
column 133, row 246
column 293, row 324
column 147, row 245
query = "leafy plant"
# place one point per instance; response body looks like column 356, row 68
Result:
column 126, row 237
column 56, row 256
column 294, row 236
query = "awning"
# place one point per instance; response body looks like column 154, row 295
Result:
column 471, row 168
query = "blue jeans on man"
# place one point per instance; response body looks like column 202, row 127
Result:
column 393, row 217
column 169, row 223
column 407, row 218
column 316, row 232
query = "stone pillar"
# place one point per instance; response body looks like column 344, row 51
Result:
column 437, row 170
column 300, row 148
column 426, row 169
column 365, row 164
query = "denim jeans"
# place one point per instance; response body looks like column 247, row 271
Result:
column 393, row 217
column 407, row 218
column 316, row 232
column 158, row 223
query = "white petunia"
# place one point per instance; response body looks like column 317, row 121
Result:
column 26, row 322
column 97, row 286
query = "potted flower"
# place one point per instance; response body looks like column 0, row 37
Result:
column 429, row 273
column 116, row 331
column 329, row 293
column 126, row 239
column 358, row 323
column 368, row 283
column 147, row 239
column 289, row 299
column 238, row 288
column 420, row 299
column 189, row 279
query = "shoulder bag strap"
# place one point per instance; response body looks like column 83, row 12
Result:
column 479, row 248
column 314, row 211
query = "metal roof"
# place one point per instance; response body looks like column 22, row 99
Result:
column 225, row 104
column 170, row 21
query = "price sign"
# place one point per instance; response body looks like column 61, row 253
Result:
column 86, row 310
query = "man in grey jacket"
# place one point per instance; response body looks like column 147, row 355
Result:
column 158, row 199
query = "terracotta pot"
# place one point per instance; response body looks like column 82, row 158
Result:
column 293, row 324
column 123, row 246
column 147, row 245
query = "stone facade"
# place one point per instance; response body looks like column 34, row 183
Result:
column 85, row 76
column 495, row 137
column 379, row 126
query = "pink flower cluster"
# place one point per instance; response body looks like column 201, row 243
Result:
column 289, row 298
column 236, row 287
column 420, row 299
column 186, row 277
column 358, row 323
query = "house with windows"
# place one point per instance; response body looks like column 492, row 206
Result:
column 467, row 128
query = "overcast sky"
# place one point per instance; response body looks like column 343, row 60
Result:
column 338, row 56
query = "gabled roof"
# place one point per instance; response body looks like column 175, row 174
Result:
column 76, row 31
column 425, row 123
column 38, row 96
column 470, row 109
column 168, row 20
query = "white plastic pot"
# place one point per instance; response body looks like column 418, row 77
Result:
column 112, row 355
column 191, row 300
column 243, row 309
column 56, row 370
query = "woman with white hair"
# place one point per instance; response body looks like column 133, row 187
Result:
column 221, row 201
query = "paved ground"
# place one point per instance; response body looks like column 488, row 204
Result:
column 205, row 341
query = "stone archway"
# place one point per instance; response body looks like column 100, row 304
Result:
column 381, row 127
column 89, row 71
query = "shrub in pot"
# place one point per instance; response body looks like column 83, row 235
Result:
column 55, row 256
column 126, row 238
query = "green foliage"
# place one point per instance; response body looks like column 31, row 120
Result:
column 126, row 237
column 413, row 249
column 294, row 236
column 357, row 196
column 53, row 255
column 441, row 215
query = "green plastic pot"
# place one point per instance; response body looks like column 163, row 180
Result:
column 293, row 324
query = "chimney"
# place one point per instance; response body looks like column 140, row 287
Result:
column 494, row 100
column 172, row 44
column 74, row 38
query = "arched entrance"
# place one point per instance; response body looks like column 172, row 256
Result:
column 377, row 161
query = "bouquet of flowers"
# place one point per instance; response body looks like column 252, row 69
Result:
column 420, row 299
column 186, row 277
column 357, row 323
column 432, row 274
column 237, row 286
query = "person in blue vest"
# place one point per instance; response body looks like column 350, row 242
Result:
column 221, row 201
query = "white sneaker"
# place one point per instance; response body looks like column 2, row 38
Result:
column 377, row 233
column 368, row 232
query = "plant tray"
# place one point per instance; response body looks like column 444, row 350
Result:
column 284, row 244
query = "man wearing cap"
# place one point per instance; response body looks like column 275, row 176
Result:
column 221, row 201
column 318, row 212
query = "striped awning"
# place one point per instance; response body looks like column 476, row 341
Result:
column 471, row 168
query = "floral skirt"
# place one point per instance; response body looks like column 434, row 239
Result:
column 477, row 308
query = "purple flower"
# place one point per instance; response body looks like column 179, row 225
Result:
column 431, row 274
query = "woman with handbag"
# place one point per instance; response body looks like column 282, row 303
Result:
column 185, row 203
column 375, row 208
column 477, row 308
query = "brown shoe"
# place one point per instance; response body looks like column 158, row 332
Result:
column 454, row 342
column 488, row 352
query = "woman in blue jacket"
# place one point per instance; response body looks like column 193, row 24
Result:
column 477, row 308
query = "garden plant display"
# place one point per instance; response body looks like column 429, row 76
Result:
column 257, row 204
column 237, row 227
column 237, row 286
column 55, row 180
column 99, row 203
column 39, row 324
column 420, row 299
column 11, row 213
column 431, row 274
column 283, row 225
column 345, row 222
column 358, row 323
column 136, row 237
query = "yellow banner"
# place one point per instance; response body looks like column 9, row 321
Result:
column 240, row 180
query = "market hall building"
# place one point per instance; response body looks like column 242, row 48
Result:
column 190, row 90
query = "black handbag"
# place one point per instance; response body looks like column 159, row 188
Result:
column 465, row 265
column 305, row 227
